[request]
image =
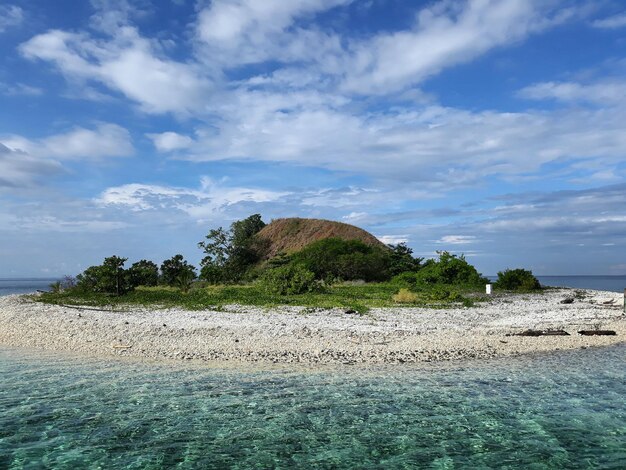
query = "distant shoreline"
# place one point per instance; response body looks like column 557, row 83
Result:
column 296, row 335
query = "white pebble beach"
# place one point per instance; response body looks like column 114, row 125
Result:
column 301, row 335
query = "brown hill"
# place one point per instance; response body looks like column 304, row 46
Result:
column 293, row 234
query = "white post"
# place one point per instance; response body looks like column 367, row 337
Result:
column 488, row 289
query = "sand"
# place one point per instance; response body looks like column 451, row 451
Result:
column 301, row 335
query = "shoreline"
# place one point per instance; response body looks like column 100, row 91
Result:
column 295, row 335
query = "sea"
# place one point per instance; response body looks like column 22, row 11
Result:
column 564, row 410
column 546, row 411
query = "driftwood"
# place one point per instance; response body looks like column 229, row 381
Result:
column 597, row 333
column 540, row 333
column 568, row 300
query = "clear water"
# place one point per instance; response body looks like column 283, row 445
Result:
column 24, row 286
column 565, row 410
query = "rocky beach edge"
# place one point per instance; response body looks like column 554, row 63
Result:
column 306, row 335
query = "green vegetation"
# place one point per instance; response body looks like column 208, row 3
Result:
column 449, row 270
column 327, row 272
column 108, row 278
column 175, row 269
column 334, row 258
column 359, row 298
column 288, row 280
column 144, row 273
column 231, row 255
column 517, row 280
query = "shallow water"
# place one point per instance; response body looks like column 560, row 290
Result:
column 565, row 410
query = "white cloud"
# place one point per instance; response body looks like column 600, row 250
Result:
column 249, row 31
column 170, row 141
column 445, row 34
column 431, row 144
column 127, row 63
column 17, row 89
column 612, row 22
column 106, row 140
column 19, row 169
column 10, row 16
column 55, row 224
column 607, row 92
column 456, row 240
column 393, row 239
column 201, row 204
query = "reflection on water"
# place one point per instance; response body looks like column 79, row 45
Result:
column 564, row 410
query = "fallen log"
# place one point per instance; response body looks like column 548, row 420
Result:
column 597, row 333
column 540, row 333
column 555, row 333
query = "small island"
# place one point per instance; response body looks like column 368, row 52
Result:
column 307, row 291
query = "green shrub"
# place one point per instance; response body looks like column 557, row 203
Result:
column 55, row 287
column 288, row 280
column 407, row 280
column 517, row 280
column 336, row 258
column 444, row 293
column 450, row 269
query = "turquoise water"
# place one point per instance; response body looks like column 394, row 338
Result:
column 565, row 410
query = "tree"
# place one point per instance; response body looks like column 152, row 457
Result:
column 402, row 259
column 230, row 254
column 144, row 273
column 110, row 277
column 171, row 270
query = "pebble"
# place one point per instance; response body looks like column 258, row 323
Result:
column 290, row 334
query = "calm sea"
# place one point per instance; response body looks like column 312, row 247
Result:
column 563, row 410
column 608, row 283
column 25, row 285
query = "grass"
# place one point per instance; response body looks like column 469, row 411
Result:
column 349, row 296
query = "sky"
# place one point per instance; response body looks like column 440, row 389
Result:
column 490, row 128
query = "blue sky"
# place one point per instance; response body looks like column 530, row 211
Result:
column 494, row 128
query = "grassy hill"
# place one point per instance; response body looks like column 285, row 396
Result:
column 292, row 234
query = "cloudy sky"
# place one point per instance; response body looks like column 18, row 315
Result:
column 494, row 128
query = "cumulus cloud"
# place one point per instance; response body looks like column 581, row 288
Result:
column 170, row 141
column 10, row 16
